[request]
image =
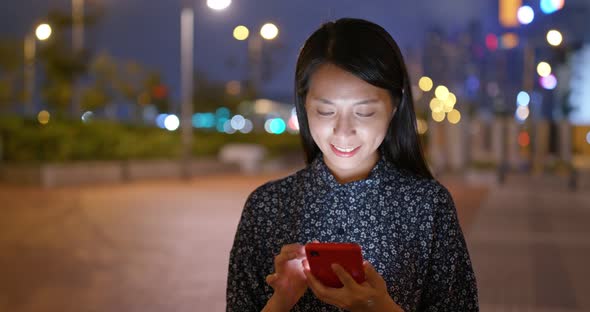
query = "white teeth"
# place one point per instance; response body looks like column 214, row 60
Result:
column 344, row 150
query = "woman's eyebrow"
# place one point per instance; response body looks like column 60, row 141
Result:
column 368, row 101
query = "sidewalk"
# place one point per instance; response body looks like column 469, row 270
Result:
column 530, row 246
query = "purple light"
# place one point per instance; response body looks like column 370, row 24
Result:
column 548, row 82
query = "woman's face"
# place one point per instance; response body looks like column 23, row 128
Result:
column 348, row 119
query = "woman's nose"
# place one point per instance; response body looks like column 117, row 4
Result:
column 344, row 127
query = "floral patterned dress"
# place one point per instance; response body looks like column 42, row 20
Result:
column 406, row 225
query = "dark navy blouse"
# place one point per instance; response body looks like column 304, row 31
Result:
column 407, row 227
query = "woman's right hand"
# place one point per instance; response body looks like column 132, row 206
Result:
column 289, row 281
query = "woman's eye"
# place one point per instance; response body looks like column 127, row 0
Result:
column 325, row 113
column 365, row 114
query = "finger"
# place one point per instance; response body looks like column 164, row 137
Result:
column 271, row 278
column 322, row 292
column 305, row 264
column 297, row 248
column 372, row 276
column 344, row 276
column 284, row 257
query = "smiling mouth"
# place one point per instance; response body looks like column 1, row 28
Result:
column 344, row 151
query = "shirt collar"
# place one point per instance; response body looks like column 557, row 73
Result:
column 323, row 176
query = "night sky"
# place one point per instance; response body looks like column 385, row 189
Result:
column 149, row 30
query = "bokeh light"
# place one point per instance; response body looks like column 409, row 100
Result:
column 43, row 32
column 269, row 31
column 241, row 32
column 248, row 126
column 160, row 120
column 523, row 98
column 436, row 105
column 525, row 14
column 171, row 122
column 543, row 69
column 492, row 42
column 524, row 139
column 43, row 117
column 422, row 126
column 425, row 83
column 454, row 116
column 549, row 82
column 509, row 40
column 218, row 4
column 441, row 92
column 238, row 122
column 87, row 116
column 554, row 37
column 551, row 6
column 522, row 113
column 438, row 116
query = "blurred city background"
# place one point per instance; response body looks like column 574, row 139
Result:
column 131, row 133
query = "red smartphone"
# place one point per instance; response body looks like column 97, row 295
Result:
column 321, row 256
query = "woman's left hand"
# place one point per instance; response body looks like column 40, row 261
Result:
column 371, row 295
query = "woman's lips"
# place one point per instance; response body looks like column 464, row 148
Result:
column 342, row 152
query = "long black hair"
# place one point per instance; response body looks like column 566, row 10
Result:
column 367, row 51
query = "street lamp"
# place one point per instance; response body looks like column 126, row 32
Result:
column 268, row 31
column 42, row 32
column 187, row 27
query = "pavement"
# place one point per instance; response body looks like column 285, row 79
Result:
column 163, row 245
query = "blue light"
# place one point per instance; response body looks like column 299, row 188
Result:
column 204, row 120
column 523, row 99
column 160, row 120
column 277, row 126
column 551, row 6
column 221, row 124
column 222, row 112
column 472, row 83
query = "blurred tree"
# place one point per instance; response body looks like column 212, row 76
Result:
column 210, row 95
column 11, row 64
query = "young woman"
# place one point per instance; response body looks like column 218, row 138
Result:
column 366, row 181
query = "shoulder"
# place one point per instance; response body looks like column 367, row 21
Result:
column 428, row 193
column 277, row 189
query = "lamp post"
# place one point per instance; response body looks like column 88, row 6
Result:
column 187, row 26
column 77, row 47
column 42, row 32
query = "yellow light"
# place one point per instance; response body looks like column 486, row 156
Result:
column 509, row 40
column 43, row 117
column 269, row 31
column 449, row 103
column 422, row 126
column 218, row 4
column 441, row 92
column 241, row 32
column 436, row 105
column 447, row 106
column 43, row 32
column 544, row 69
column 454, row 116
column 425, row 84
column 554, row 37
column 507, row 12
column 438, row 116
